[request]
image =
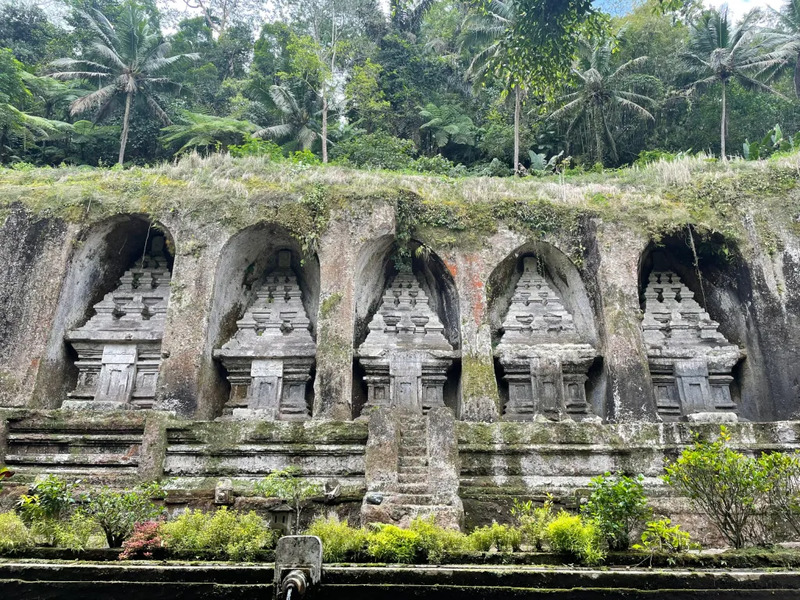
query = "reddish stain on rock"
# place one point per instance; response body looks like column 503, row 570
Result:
column 452, row 267
column 475, row 287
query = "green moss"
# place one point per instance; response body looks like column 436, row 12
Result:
column 329, row 304
column 478, row 379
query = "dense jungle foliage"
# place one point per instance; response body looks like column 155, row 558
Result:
column 442, row 86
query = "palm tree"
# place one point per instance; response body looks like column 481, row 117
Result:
column 489, row 30
column 298, row 118
column 601, row 89
column 785, row 39
column 128, row 61
column 720, row 53
column 205, row 132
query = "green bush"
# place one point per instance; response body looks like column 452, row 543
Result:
column 117, row 512
column 14, row 535
column 290, row 486
column 439, row 165
column 574, row 536
column 662, row 537
column 436, row 542
column 339, row 541
column 226, row 534
column 389, row 543
column 730, row 488
column 533, row 521
column 500, row 537
column 375, row 151
column 618, row 506
column 50, row 501
column 76, row 532
column 257, row 147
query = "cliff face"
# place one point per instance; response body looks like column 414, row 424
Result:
column 729, row 232
column 588, row 244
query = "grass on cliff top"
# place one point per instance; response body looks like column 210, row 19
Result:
column 660, row 197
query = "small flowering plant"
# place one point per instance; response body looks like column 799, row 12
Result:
column 144, row 542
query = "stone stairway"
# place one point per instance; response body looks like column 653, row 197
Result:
column 417, row 488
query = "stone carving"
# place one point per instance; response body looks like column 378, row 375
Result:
column 269, row 359
column 119, row 348
column 406, row 354
column 690, row 361
column 544, row 357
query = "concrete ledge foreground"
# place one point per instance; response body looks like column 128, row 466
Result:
column 156, row 581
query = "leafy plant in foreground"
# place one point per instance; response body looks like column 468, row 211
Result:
column 118, row 512
column 617, row 505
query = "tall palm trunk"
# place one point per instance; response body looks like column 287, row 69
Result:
column 723, row 124
column 598, row 136
column 324, row 129
column 517, row 113
column 125, row 127
column 797, row 75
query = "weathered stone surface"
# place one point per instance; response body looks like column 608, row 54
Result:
column 544, row 356
column 690, row 361
column 269, row 359
column 119, row 348
column 405, row 354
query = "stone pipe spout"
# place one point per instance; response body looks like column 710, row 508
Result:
column 298, row 566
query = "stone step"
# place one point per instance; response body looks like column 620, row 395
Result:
column 412, row 488
column 413, row 451
column 411, row 470
column 79, row 439
column 89, row 460
column 407, row 462
column 413, row 500
column 403, row 478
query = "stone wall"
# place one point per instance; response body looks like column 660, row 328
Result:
column 56, row 269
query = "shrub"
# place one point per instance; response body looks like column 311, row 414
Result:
column 304, row 157
column 500, row 537
column 782, row 494
column 290, row 486
column 533, row 521
column 14, row 535
column 226, row 534
column 50, row 501
column 375, row 151
column 389, row 543
column 727, row 486
column 437, row 164
column 75, row 532
column 662, row 537
column 435, row 542
column 618, row 506
column 574, row 536
column 117, row 512
column 339, row 540
column 143, row 542
column 5, row 473
column 257, row 147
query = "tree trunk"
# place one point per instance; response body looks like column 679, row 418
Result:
column 797, row 76
column 324, row 130
column 125, row 126
column 598, row 137
column 517, row 111
column 723, row 124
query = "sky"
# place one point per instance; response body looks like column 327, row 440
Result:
column 737, row 7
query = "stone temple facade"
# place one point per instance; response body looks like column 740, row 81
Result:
column 544, row 357
column 119, row 348
column 405, row 354
column 270, row 358
column 690, row 361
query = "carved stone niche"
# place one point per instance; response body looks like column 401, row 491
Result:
column 270, row 358
column 690, row 361
column 544, row 357
column 405, row 354
column 119, row 348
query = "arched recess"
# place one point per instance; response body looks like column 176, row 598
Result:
column 245, row 262
column 720, row 282
column 106, row 251
column 564, row 319
column 377, row 267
